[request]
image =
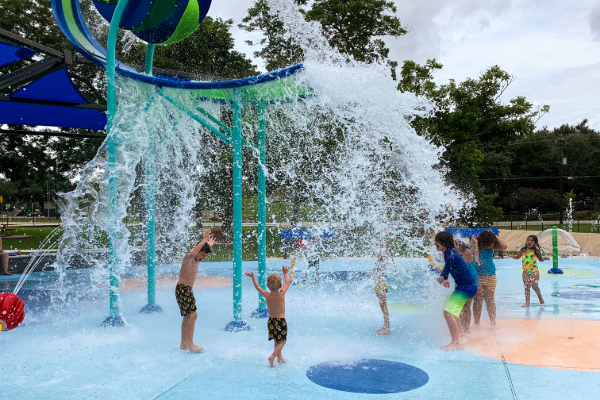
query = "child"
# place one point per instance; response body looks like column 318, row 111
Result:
column 466, row 286
column 4, row 260
column 383, row 260
column 467, row 255
column 184, row 293
column 486, row 243
column 276, row 306
column 530, row 254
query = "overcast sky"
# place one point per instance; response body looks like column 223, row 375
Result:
column 551, row 46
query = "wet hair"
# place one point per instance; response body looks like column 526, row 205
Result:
column 536, row 247
column 445, row 239
column 274, row 282
column 205, row 249
column 487, row 240
column 460, row 246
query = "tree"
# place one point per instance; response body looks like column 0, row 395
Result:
column 278, row 49
column 354, row 27
column 526, row 199
column 466, row 117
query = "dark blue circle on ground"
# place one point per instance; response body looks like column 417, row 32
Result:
column 368, row 376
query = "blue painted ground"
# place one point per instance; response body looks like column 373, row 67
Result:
column 67, row 355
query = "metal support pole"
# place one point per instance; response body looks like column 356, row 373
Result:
column 149, row 194
column 114, row 319
column 237, row 324
column 262, row 311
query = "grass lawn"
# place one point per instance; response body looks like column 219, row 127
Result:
column 34, row 238
column 221, row 252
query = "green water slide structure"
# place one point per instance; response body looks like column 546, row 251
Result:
column 162, row 22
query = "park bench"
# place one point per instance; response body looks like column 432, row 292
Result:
column 7, row 231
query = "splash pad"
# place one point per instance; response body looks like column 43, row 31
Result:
column 152, row 151
column 357, row 168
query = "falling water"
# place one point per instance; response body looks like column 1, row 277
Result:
column 346, row 149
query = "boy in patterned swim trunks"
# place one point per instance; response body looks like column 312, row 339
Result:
column 184, row 293
column 276, row 306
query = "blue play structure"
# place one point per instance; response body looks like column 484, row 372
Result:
column 468, row 232
column 161, row 22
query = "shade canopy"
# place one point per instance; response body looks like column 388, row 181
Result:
column 10, row 53
column 48, row 101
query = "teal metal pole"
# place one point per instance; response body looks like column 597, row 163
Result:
column 236, row 137
column 114, row 318
column 149, row 58
column 262, row 311
column 149, row 193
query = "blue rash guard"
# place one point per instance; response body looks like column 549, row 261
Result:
column 456, row 266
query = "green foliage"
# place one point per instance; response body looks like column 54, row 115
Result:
column 468, row 119
column 278, row 49
column 354, row 27
column 525, row 199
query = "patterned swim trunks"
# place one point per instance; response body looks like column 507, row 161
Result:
column 185, row 299
column 277, row 329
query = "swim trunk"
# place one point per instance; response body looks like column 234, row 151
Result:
column 459, row 298
column 490, row 281
column 185, row 299
column 277, row 329
column 381, row 288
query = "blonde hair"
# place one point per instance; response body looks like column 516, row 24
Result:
column 274, row 282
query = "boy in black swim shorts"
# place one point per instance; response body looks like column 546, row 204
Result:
column 184, row 293
column 276, row 305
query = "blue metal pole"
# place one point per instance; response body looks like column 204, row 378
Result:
column 114, row 318
column 237, row 324
column 262, row 311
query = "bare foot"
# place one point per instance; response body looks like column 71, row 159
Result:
column 542, row 301
column 451, row 347
column 271, row 360
column 525, row 305
column 192, row 348
column 10, row 273
column 281, row 360
column 383, row 331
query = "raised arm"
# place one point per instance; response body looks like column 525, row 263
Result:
column 256, row 285
column 475, row 247
column 286, row 276
column 501, row 245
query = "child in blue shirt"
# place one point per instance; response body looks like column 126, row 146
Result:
column 466, row 286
